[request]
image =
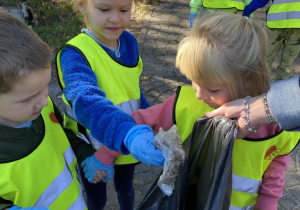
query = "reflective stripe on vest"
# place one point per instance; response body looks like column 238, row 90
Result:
column 49, row 171
column 284, row 1
column 59, row 184
column 284, row 14
column 223, row 4
column 79, row 203
column 244, row 190
column 251, row 157
column 246, row 185
column 123, row 94
column 243, row 208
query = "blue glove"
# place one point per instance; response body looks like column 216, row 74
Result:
column 139, row 142
column 27, row 208
column 91, row 164
column 192, row 18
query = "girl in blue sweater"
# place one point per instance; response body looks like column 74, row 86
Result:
column 99, row 71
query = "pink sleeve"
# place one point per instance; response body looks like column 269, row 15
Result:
column 156, row 116
column 272, row 183
column 106, row 156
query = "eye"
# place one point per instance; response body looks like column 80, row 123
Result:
column 124, row 10
column 214, row 90
column 103, row 9
column 25, row 100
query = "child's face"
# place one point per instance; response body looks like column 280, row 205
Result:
column 26, row 99
column 108, row 19
column 212, row 94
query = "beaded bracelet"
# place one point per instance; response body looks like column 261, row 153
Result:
column 267, row 109
column 246, row 109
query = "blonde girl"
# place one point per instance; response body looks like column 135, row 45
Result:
column 225, row 58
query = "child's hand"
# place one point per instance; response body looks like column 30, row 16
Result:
column 90, row 167
column 139, row 141
column 99, row 176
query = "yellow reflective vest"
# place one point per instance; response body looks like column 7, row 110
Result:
column 251, row 157
column 284, row 14
column 120, row 84
column 225, row 4
column 46, row 178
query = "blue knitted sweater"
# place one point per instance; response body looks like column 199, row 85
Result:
column 107, row 123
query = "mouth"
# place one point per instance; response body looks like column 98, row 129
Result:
column 211, row 104
column 207, row 102
column 37, row 113
column 114, row 29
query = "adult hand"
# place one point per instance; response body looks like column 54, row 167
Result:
column 91, row 165
column 139, row 141
column 233, row 109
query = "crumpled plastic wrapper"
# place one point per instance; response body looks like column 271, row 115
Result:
column 170, row 144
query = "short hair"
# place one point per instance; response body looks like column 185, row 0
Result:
column 226, row 49
column 21, row 51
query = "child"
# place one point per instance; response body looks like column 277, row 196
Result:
column 283, row 22
column 224, row 56
column 206, row 6
column 37, row 163
column 99, row 71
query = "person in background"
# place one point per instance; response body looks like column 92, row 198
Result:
column 283, row 21
column 224, row 57
column 202, row 7
column 99, row 71
column 284, row 93
column 37, row 161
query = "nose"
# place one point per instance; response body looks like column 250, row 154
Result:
column 201, row 93
column 43, row 101
column 114, row 16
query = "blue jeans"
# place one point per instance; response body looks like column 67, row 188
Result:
column 123, row 181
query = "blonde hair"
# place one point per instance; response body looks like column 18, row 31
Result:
column 226, row 49
column 21, row 51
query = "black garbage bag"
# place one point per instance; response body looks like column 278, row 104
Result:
column 205, row 180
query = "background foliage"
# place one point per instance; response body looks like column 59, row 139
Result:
column 59, row 21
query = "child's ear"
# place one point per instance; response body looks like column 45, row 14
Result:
column 82, row 7
column 248, row 84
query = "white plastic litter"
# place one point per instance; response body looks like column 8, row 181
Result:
column 170, row 144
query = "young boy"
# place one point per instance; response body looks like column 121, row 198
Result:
column 37, row 163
